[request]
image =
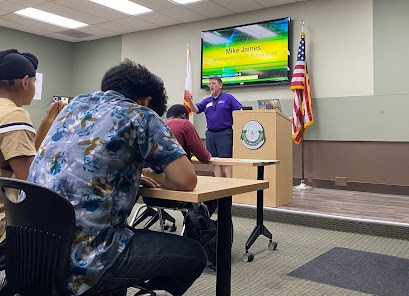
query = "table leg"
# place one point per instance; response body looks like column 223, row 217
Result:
column 259, row 229
column 224, row 235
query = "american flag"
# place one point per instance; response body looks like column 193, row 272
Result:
column 302, row 111
column 188, row 83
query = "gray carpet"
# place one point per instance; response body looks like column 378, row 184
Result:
column 358, row 270
column 268, row 275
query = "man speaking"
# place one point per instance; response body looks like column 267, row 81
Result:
column 218, row 109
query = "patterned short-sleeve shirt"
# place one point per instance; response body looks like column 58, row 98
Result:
column 93, row 155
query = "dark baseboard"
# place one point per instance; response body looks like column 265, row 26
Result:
column 316, row 221
column 357, row 186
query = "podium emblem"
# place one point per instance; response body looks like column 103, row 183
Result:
column 252, row 135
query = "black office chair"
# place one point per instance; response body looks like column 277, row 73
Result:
column 155, row 210
column 39, row 231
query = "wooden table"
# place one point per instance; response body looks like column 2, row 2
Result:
column 259, row 229
column 211, row 188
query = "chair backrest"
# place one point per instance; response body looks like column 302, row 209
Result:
column 39, row 233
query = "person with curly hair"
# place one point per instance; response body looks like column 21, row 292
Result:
column 93, row 155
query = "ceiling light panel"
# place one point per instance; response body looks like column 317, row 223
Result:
column 124, row 6
column 50, row 18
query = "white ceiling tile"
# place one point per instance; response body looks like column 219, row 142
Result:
column 7, row 24
column 29, row 3
column 62, row 37
column 99, row 36
column 26, row 28
column 94, row 30
column 155, row 4
column 271, row 3
column 30, row 23
column 239, row 5
column 159, row 19
column 104, row 13
column 108, row 22
column 11, row 6
column 137, row 23
column 115, row 27
column 68, row 12
column 183, row 14
column 210, row 9
column 127, row 30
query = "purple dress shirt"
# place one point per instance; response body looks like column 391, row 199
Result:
column 219, row 111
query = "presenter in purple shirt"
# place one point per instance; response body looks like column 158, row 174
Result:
column 218, row 109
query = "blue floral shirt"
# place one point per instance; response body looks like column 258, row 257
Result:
column 93, row 155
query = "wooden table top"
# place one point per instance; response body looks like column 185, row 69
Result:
column 238, row 161
column 208, row 188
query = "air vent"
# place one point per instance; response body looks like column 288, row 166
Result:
column 75, row 34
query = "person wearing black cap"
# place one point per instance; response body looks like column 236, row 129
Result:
column 18, row 138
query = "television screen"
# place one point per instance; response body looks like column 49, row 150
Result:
column 250, row 54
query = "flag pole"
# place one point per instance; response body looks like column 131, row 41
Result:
column 302, row 186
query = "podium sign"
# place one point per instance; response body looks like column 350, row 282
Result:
column 252, row 135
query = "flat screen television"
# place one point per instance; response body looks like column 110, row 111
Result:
column 251, row 54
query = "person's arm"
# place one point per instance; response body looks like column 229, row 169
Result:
column 179, row 175
column 195, row 144
column 189, row 99
column 47, row 121
column 20, row 166
column 164, row 154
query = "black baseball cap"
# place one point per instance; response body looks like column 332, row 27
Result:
column 15, row 65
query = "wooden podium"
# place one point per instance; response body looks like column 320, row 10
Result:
column 264, row 134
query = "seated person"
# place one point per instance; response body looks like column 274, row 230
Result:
column 186, row 134
column 18, row 138
column 93, row 155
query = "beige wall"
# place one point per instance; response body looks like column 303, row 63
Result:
column 91, row 60
column 339, row 34
column 55, row 62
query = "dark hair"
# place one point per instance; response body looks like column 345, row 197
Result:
column 135, row 81
column 7, row 84
column 177, row 110
column 216, row 78
column 16, row 65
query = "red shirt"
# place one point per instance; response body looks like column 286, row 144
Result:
column 188, row 138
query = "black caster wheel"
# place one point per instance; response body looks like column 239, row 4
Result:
column 166, row 227
column 248, row 256
column 272, row 246
column 172, row 228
